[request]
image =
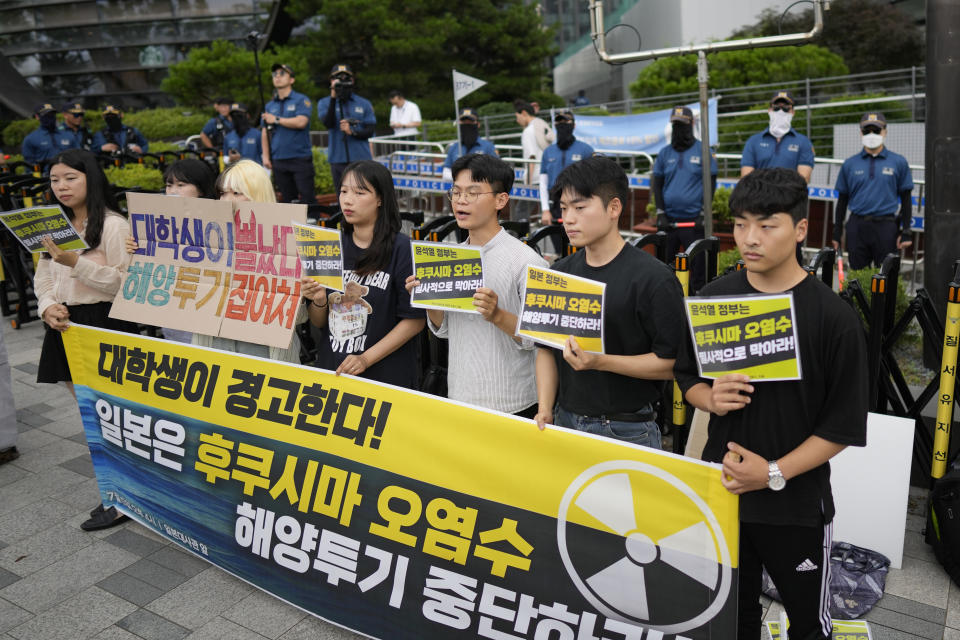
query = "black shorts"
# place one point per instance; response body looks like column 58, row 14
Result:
column 53, row 365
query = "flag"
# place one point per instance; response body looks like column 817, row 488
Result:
column 464, row 85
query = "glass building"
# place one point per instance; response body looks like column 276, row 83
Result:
column 116, row 50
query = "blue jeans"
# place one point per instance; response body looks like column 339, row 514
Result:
column 645, row 433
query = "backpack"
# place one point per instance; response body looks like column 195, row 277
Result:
column 943, row 522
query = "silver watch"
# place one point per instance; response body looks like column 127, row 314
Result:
column 775, row 479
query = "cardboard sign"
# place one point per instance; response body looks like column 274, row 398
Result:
column 30, row 225
column 558, row 305
column 313, row 487
column 842, row 630
column 321, row 254
column 753, row 335
column 213, row 267
column 449, row 274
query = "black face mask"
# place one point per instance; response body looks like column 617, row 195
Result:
column 565, row 135
column 49, row 121
column 682, row 137
column 113, row 122
column 240, row 123
column 468, row 135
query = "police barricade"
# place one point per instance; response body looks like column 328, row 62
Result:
column 400, row 515
column 823, row 261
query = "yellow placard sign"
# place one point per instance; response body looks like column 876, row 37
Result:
column 449, row 275
column 29, row 226
column 321, row 254
column 558, row 305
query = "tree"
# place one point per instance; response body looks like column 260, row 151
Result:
column 224, row 69
column 868, row 35
column 678, row 74
column 412, row 45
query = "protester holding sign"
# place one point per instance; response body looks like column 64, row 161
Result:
column 247, row 181
column 489, row 366
column 612, row 393
column 79, row 287
column 368, row 329
column 775, row 438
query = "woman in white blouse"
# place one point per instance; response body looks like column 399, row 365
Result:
column 79, row 286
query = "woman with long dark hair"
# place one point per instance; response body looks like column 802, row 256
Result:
column 190, row 178
column 368, row 329
column 79, row 286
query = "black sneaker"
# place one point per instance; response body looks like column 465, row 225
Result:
column 8, row 455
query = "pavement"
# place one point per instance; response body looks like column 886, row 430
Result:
column 124, row 583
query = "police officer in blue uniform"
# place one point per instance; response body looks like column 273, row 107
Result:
column 470, row 141
column 779, row 145
column 215, row 130
column 349, row 120
column 877, row 185
column 678, row 190
column 74, row 125
column 44, row 143
column 116, row 136
column 286, row 138
column 243, row 141
column 557, row 157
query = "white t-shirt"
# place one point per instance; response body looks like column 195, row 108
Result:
column 406, row 114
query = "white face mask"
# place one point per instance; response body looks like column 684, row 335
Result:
column 872, row 140
column 780, row 123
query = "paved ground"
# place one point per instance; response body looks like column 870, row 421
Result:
column 59, row 582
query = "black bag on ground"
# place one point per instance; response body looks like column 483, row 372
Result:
column 943, row 522
column 857, row 580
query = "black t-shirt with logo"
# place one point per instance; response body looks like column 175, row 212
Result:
column 830, row 402
column 369, row 309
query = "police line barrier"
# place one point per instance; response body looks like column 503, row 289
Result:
column 401, row 515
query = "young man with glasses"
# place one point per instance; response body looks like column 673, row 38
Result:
column 489, row 366
column 779, row 145
column 877, row 185
column 285, row 138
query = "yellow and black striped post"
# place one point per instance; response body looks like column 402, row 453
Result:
column 948, row 375
column 682, row 266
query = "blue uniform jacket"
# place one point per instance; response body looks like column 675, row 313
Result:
column 682, row 180
column 555, row 159
column 286, row 142
column 873, row 183
column 126, row 135
column 250, row 145
column 481, row 146
column 341, row 145
column 42, row 146
column 763, row 151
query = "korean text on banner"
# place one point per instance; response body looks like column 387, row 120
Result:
column 753, row 335
column 213, row 267
column 321, row 254
column 559, row 305
column 30, row 225
column 313, row 487
column 842, row 630
column 647, row 132
column 449, row 275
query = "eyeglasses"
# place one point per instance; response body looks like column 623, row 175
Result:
column 781, row 107
column 470, row 196
column 279, row 72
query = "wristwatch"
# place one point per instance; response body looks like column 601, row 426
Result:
column 775, row 479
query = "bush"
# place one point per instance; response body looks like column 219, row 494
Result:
column 135, row 175
column 16, row 131
column 727, row 259
column 322, row 176
column 172, row 122
column 721, row 205
column 865, row 275
column 440, row 130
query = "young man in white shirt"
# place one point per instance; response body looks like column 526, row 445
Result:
column 404, row 115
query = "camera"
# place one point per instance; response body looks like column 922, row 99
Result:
column 343, row 86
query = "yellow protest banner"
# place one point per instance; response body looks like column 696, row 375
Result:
column 30, row 225
column 842, row 630
column 449, row 274
column 753, row 335
column 394, row 513
column 559, row 305
column 321, row 254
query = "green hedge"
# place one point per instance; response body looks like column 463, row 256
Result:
column 322, row 176
column 135, row 175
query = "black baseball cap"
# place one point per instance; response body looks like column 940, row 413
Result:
column 43, row 108
column 340, row 69
column 238, row 106
column 468, row 114
column 782, row 96
column 73, row 107
column 873, row 118
column 681, row 114
column 563, row 116
column 285, row 67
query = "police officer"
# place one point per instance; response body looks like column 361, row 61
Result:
column 45, row 142
column 74, row 124
column 285, row 138
column 678, row 190
column 876, row 183
column 470, row 141
column 217, row 127
column 349, row 120
column 116, row 136
column 243, row 140
column 779, row 145
column 557, row 157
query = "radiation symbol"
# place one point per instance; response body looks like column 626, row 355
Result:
column 649, row 564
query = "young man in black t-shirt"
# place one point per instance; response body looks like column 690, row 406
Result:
column 775, row 438
column 611, row 394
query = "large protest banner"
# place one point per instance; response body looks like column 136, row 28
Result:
column 647, row 132
column 403, row 515
column 213, row 267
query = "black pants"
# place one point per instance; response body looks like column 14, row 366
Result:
column 870, row 240
column 294, row 177
column 798, row 561
column 682, row 238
